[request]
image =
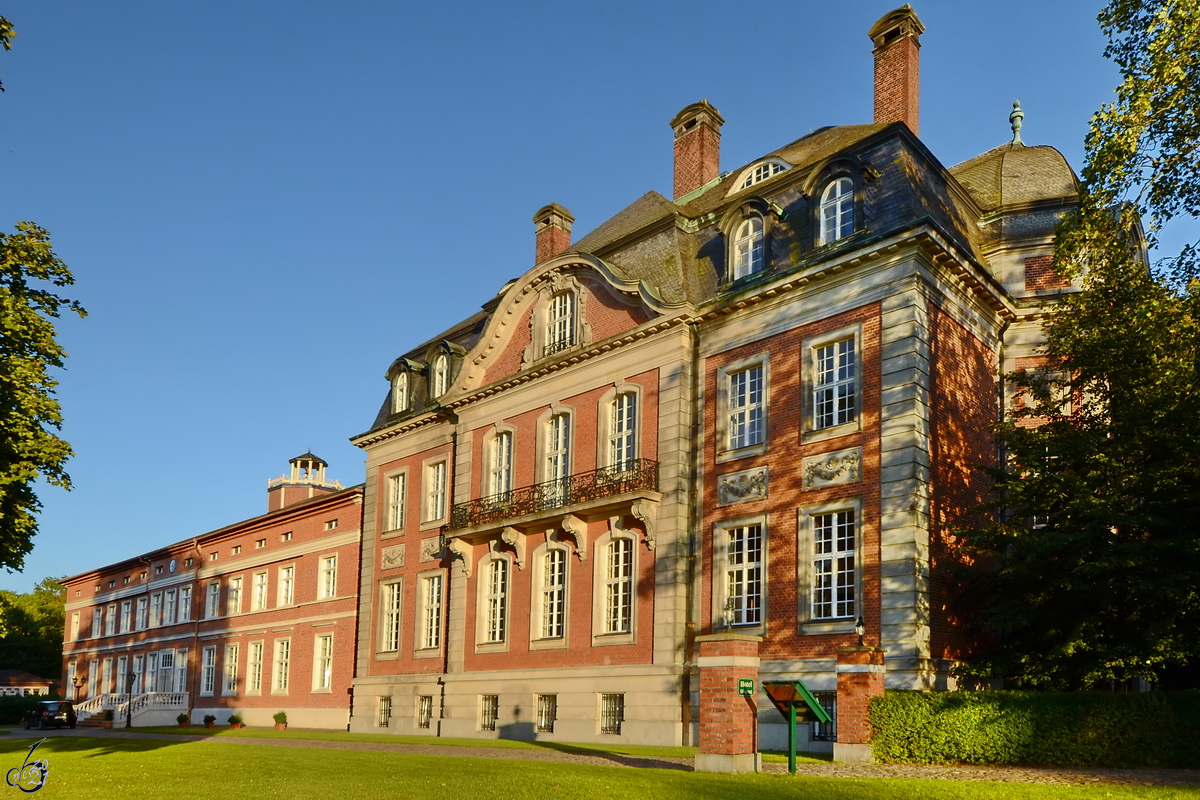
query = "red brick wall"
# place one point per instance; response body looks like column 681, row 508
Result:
column 897, row 83
column 728, row 721
column 786, row 493
column 854, row 693
column 697, row 159
column 551, row 240
column 964, row 406
column 1040, row 274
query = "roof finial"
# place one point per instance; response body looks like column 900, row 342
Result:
column 1015, row 119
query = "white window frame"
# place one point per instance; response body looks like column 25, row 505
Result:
column 74, row 627
column 395, row 489
column 110, row 620
column 233, row 597
column 142, row 619
column 179, row 681
column 500, row 447
column 106, row 676
column 435, row 492
column 731, row 442
column 208, row 671
column 213, row 604
column 126, row 616
column 229, row 679
column 170, row 609
column 557, row 451
column 400, row 392
column 623, row 431
column 810, row 375
column 806, row 519
column 328, row 577
column 260, row 591
column 287, row 586
column 281, row 666
column 749, row 247
column 255, row 652
column 156, row 615
column 391, row 608
column 431, row 586
column 549, row 605
column 440, row 373
column 728, row 562
column 139, row 670
column 185, row 603
column 758, row 172
column 322, row 663
column 93, row 676
column 122, row 675
column 97, row 622
column 561, row 332
column 608, row 598
column 835, row 217
column 495, row 603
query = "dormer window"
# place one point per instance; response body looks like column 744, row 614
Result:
column 748, row 248
column 837, row 210
column 757, row 173
column 441, row 374
column 400, row 392
column 560, row 322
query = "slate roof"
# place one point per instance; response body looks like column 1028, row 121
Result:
column 1014, row 175
column 19, row 677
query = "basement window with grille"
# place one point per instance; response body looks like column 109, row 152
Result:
column 612, row 713
column 383, row 718
column 547, row 712
column 826, row 731
column 489, row 709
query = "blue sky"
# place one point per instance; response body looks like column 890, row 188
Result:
column 264, row 203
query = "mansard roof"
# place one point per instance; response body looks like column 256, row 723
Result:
column 1014, row 175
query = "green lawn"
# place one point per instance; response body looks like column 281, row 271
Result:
column 106, row 767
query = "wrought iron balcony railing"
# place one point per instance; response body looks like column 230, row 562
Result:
column 625, row 477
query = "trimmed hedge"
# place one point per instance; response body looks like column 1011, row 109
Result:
column 1083, row 729
column 14, row 706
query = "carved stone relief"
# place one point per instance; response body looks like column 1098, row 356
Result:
column 392, row 557
column 430, row 549
column 830, row 469
column 738, row 487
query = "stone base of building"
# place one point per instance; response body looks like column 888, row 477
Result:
column 719, row 762
column 853, row 753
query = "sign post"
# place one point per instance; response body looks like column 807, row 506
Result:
column 746, row 687
column 796, row 703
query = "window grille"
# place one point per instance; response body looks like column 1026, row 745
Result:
column 260, row 591
column 837, row 210
column 743, row 570
column 500, row 475
column 834, row 398
column 208, row 671
column 435, row 491
column 287, row 586
column 424, row 710
column 745, row 401
column 254, row 667
column 612, row 713
column 489, row 708
column 497, row 600
column 169, row 607
column 833, row 565
column 233, row 598
column 383, row 718
column 554, row 580
column 826, row 731
column 283, row 657
column 547, row 712
column 761, row 172
column 214, row 600
column 618, row 586
column 748, row 248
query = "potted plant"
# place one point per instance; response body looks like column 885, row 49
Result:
column 280, row 718
column 108, row 717
column 183, row 719
column 235, row 721
column 209, row 720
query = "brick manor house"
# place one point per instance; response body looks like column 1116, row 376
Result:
column 749, row 412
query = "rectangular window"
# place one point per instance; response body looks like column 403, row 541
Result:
column 331, row 524
column 833, row 567
column 500, row 474
column 826, row 731
column 560, row 323
column 547, row 712
column 745, row 401
column 435, row 491
column 97, row 621
column 285, row 537
column 834, row 401
column 93, row 674
column 214, row 600
column 233, row 598
column 237, row 549
column 329, row 576
column 156, row 610
column 126, row 616
column 390, row 634
column 496, row 601
column 743, row 571
column 259, row 600
column 384, row 716
column 208, row 671
column 554, row 583
column 181, row 665
column 71, row 674
column 110, row 620
column 612, row 713
column 151, row 673
column 259, row 544
column 75, row 626
column 431, row 611
column 169, row 607
column 395, row 502
column 106, row 677
column 287, row 585
column 142, row 611
column 185, row 603
column 213, row 556
column 139, row 666
column 254, row 667
column 558, row 460
column 283, row 661
column 489, row 709
column 231, row 670
column 618, row 586
column 323, row 662
column 122, row 676
column 622, row 438
column 424, row 710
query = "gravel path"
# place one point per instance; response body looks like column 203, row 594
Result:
column 1071, row 777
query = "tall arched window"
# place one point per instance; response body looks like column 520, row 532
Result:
column 558, row 460
column 441, row 374
column 554, row 582
column 500, row 472
column 837, row 210
column 622, row 436
column 748, row 248
column 560, row 323
column 618, row 586
column 400, row 392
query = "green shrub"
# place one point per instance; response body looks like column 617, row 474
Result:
column 280, row 717
column 1082, row 729
column 235, row 719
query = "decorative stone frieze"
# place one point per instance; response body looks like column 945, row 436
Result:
column 738, row 487
column 393, row 557
column 830, row 469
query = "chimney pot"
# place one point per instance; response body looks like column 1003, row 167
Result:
column 697, row 147
column 553, row 231
column 897, row 38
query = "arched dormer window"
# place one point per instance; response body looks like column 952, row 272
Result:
column 759, row 172
column 837, row 210
column 560, row 322
column 441, row 374
column 748, row 248
column 400, row 392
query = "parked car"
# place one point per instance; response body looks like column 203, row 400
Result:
column 50, row 712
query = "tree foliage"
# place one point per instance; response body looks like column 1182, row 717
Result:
column 6, row 36
column 1093, row 567
column 31, row 629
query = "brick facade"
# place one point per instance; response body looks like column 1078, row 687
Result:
column 1040, row 274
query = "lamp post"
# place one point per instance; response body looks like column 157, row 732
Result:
column 76, row 684
column 129, row 679
column 860, row 628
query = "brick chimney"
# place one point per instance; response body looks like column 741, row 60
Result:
column 897, row 37
column 553, row 231
column 697, row 147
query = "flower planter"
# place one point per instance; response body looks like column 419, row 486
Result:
column 108, row 724
column 185, row 724
column 235, row 725
column 281, row 726
column 209, row 724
